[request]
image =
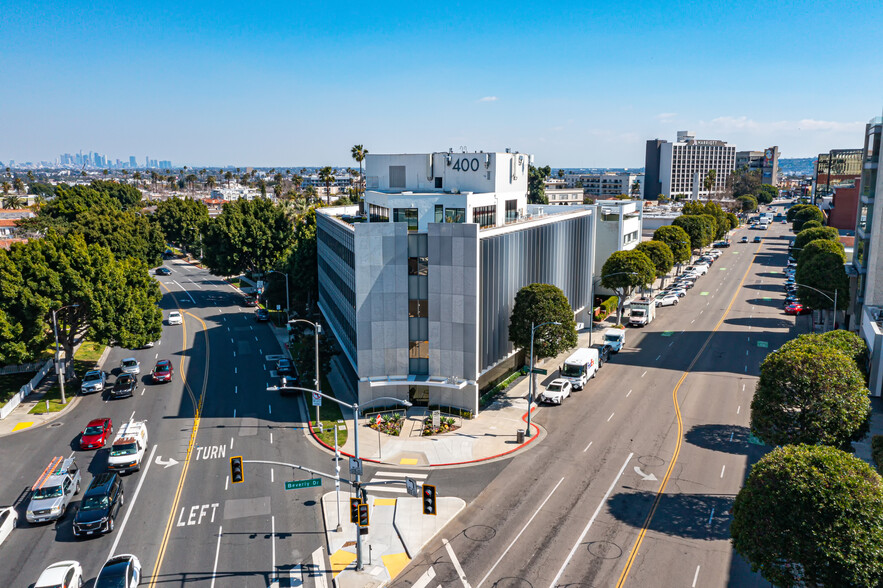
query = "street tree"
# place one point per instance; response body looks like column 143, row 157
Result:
column 624, row 271
column 806, row 214
column 744, row 181
column 805, row 395
column 326, row 176
column 15, row 314
column 358, row 153
column 747, row 203
column 248, row 235
column 849, row 344
column 660, row 255
column 807, row 235
column 537, row 304
column 734, row 220
column 536, row 184
column 811, row 515
column 792, row 212
column 302, row 263
column 708, row 181
column 820, row 266
column 677, row 239
column 697, row 228
column 182, row 221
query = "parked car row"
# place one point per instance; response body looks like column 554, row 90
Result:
column 792, row 305
column 671, row 294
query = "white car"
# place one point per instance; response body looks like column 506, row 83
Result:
column 8, row 521
column 679, row 292
column 64, row 574
column 130, row 365
column 120, row 571
column 175, row 318
column 667, row 299
column 557, row 390
column 699, row 268
column 715, row 252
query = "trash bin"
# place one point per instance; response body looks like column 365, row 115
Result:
column 519, row 436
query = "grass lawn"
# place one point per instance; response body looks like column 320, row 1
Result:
column 54, row 398
column 235, row 281
column 11, row 383
column 330, row 413
column 87, row 356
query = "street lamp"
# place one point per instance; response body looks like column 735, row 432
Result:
column 287, row 310
column 317, row 328
column 532, row 377
column 58, row 367
column 823, row 293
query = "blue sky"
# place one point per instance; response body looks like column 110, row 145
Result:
column 291, row 83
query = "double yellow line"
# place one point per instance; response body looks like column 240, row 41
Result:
column 674, row 396
column 198, row 412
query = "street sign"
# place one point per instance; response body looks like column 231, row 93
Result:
column 537, row 370
column 317, row 400
column 411, row 485
column 436, row 419
column 278, row 307
column 355, row 466
column 303, row 484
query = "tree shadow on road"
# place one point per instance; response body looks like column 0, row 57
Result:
column 761, row 322
column 692, row 516
column 725, row 438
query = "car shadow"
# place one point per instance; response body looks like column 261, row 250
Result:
column 760, row 322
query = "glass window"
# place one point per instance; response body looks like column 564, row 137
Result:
column 405, row 215
column 455, row 215
column 378, row 214
column 418, row 329
column 418, row 287
column 418, row 308
column 484, row 216
column 418, row 245
column 438, row 183
column 418, row 266
column 439, row 212
column 418, row 366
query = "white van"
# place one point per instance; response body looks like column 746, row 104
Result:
column 580, row 367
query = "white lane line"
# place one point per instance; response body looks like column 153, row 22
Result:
column 119, row 532
column 629, row 394
column 231, row 339
column 739, row 409
column 644, row 374
column 271, row 475
column 217, row 552
column 424, row 580
column 271, row 438
column 185, row 292
column 257, row 339
column 611, row 416
column 234, row 354
column 456, row 563
column 270, row 406
column 156, row 356
column 692, row 321
column 536, row 512
column 746, row 369
column 226, row 483
column 399, row 475
column 695, row 577
column 235, row 389
column 743, row 387
column 591, row 520
column 273, row 542
column 228, row 329
column 587, row 446
column 142, row 391
column 234, row 413
column 235, row 369
column 657, row 357
column 703, row 310
column 132, row 415
column 251, row 327
column 231, row 442
column 722, row 471
column 746, row 352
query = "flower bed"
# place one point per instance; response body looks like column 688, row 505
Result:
column 446, row 425
column 390, row 423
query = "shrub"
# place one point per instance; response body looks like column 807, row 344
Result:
column 877, row 451
column 608, row 306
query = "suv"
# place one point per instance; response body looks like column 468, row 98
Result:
column 100, row 506
column 54, row 490
column 93, row 381
column 262, row 315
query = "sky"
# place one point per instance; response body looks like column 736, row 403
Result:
column 577, row 84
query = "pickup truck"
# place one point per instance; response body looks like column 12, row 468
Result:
column 53, row 491
column 127, row 451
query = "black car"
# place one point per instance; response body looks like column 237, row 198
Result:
column 120, row 571
column 604, row 351
column 124, row 386
column 262, row 315
column 163, row 271
column 100, row 506
column 790, row 299
column 721, row 244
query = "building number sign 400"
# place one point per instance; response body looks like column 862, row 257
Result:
column 466, row 164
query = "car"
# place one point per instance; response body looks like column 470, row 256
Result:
column 262, row 315
column 797, row 309
column 784, row 222
column 175, row 318
column 162, row 371
column 163, row 271
column 93, row 381
column 715, row 252
column 756, row 239
column 744, row 239
column 8, row 521
column 63, row 574
column 100, row 506
column 709, row 259
column 685, row 283
column 722, row 244
column 679, row 292
column 124, row 387
column 284, row 367
column 120, row 571
column 698, row 268
column 790, row 299
column 249, row 301
column 53, row 491
column 605, row 350
column 666, row 300
column 556, row 391
column 95, row 435
column 130, row 365
column 168, row 254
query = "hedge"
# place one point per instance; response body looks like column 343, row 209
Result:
column 877, row 451
column 607, row 307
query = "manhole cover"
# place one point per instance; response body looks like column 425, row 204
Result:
column 604, row 549
column 55, row 424
column 512, row 583
column 480, row 533
column 651, row 460
column 310, row 503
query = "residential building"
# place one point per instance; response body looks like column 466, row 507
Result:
column 557, row 192
column 237, row 192
column 605, row 185
column 420, row 293
column 681, row 167
column 766, row 162
column 619, row 227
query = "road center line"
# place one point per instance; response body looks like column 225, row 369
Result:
column 695, row 577
column 611, row 416
column 587, row 446
column 217, row 551
column 722, row 471
column 122, row 528
column 456, row 563
column 536, row 512
column 644, row 374
column 591, row 520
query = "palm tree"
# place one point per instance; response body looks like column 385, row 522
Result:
column 191, row 179
column 106, row 172
column 326, row 176
column 228, row 176
column 18, row 184
column 39, row 201
column 6, row 187
column 153, row 178
column 31, row 176
column 310, row 194
column 298, row 181
column 708, row 182
column 263, row 186
column 210, row 183
column 277, row 190
column 359, row 152
column 172, row 180
column 137, row 177
column 12, row 201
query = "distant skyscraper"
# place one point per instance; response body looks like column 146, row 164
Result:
column 132, row 161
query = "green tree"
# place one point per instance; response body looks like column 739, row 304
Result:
column 6, row 187
column 660, row 254
column 15, row 314
column 262, row 185
column 765, row 193
column 810, row 392
column 677, row 239
column 302, row 263
column 734, row 220
column 210, row 183
column 128, row 197
column 13, row 201
column 806, row 214
column 792, row 212
column 851, row 345
column 807, row 235
column 625, row 270
column 182, row 221
column 811, row 516
column 359, row 152
column 252, row 236
column 536, row 184
column 743, row 181
column 697, row 228
column 747, row 203
column 708, row 181
column 820, row 266
column 537, row 304
column 326, row 176
column 19, row 185
column 813, row 224
column 228, row 175
column 125, row 233
column 42, row 189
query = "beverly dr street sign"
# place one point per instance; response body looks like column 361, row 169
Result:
column 303, row 484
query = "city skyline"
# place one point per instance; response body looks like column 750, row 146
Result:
column 588, row 88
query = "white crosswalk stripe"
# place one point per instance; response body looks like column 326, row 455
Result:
column 388, row 476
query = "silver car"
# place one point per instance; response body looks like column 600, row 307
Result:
column 130, row 366
column 93, row 381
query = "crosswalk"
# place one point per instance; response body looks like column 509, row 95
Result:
column 390, row 476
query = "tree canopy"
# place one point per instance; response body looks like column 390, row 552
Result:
column 820, row 266
column 302, row 263
column 182, row 220
column 812, row 224
column 538, row 304
column 536, row 186
column 660, row 255
column 625, row 270
column 851, row 345
column 811, row 516
column 809, row 391
column 747, row 203
column 765, row 193
column 744, row 181
column 792, row 212
column 808, row 235
column 677, row 239
column 806, row 214
column 698, row 228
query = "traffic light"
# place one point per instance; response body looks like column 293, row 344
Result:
column 363, row 515
column 237, row 474
column 354, row 510
column 429, row 506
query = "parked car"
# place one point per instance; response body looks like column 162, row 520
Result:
column 130, row 365
column 124, row 387
column 262, row 315
column 8, row 521
column 797, row 309
column 756, row 239
column 120, row 571
column 604, row 353
column 677, row 291
column 95, row 435
column 790, row 299
column 61, row 575
column 666, row 299
column 162, row 371
column 163, row 271
column 698, row 268
column 744, row 239
column 93, row 381
column 249, row 301
column 283, row 366
column 101, row 504
column 557, row 390
column 722, row 244
column 175, row 318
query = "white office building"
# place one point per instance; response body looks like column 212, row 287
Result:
column 619, row 227
column 681, row 167
column 607, row 185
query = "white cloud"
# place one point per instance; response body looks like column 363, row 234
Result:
column 488, row 99
column 666, row 117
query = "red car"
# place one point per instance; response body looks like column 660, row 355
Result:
column 95, row 435
column 796, row 309
column 162, row 372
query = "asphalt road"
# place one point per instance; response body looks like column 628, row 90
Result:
column 632, row 487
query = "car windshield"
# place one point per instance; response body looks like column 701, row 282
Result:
column 112, row 576
column 124, row 381
column 612, row 338
column 129, row 363
column 91, row 376
column 123, row 449
column 47, row 492
column 93, row 430
column 94, row 503
column 570, row 370
column 554, row 387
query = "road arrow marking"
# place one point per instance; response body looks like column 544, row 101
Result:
column 166, row 464
column 647, row 477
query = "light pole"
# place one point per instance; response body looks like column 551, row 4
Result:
column 823, row 293
column 532, row 376
column 58, row 367
column 317, row 328
column 287, row 309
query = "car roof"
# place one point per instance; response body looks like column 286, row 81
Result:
column 90, row 372
column 54, row 574
column 163, row 361
column 174, row 312
column 560, row 381
column 100, row 481
column 125, row 377
column 130, row 359
column 97, row 422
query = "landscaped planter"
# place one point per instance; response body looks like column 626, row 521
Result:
column 391, row 424
column 446, row 425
